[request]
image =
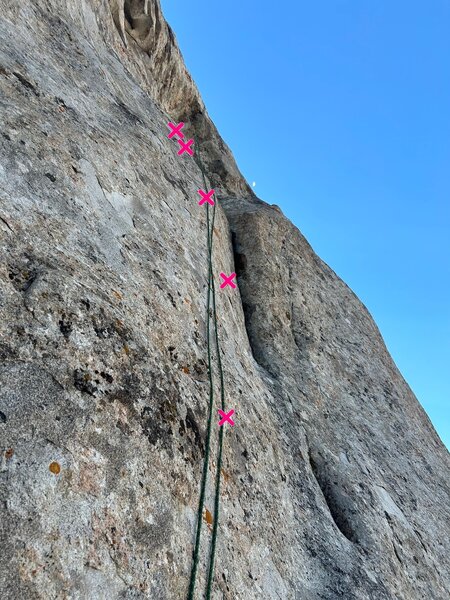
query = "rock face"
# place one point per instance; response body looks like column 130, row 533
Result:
column 334, row 483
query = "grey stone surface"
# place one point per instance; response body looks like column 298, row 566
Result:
column 335, row 484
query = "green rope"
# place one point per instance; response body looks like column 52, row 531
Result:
column 216, row 517
column 211, row 294
column 196, row 555
column 222, row 429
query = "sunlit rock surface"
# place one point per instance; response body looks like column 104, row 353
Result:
column 334, row 483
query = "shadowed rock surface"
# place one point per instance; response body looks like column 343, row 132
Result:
column 335, row 484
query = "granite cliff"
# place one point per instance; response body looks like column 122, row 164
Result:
column 334, row 482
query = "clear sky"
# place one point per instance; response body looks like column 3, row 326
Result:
column 339, row 111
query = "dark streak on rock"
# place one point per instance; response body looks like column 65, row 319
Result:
column 27, row 84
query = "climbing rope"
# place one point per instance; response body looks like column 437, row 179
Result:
column 211, row 295
column 221, row 433
column 196, row 555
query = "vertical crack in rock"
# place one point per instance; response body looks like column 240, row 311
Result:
column 264, row 280
column 336, row 501
column 240, row 265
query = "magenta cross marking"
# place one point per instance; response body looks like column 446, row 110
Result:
column 228, row 280
column 226, row 417
column 176, row 130
column 185, row 147
column 206, row 197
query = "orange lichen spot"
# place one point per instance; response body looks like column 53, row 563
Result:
column 208, row 518
column 126, row 349
column 185, row 370
column 225, row 475
column 119, row 324
column 9, row 453
column 55, row 468
column 118, row 295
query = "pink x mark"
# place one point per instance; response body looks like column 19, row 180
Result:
column 228, row 280
column 185, row 147
column 206, row 197
column 176, row 130
column 226, row 417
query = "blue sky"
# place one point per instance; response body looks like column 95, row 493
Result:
column 340, row 112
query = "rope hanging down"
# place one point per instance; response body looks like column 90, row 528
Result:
column 211, row 294
column 221, row 430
